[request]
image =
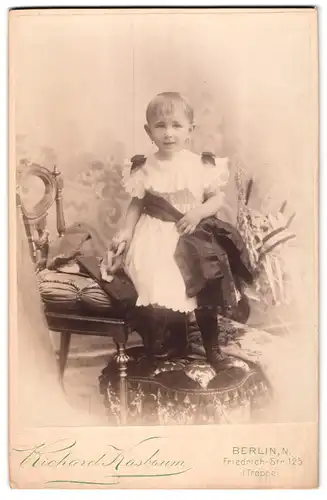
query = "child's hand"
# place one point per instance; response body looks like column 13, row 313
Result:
column 123, row 236
column 105, row 267
column 112, row 261
column 189, row 222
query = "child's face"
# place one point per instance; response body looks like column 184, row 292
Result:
column 170, row 130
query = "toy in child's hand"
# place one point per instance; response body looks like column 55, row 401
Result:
column 112, row 261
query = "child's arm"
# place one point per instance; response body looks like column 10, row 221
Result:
column 133, row 214
column 210, row 207
column 193, row 217
column 121, row 241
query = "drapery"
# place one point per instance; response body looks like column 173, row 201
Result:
column 36, row 396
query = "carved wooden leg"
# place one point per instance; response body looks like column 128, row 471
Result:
column 122, row 359
column 63, row 352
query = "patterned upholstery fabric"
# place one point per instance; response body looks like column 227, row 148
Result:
column 187, row 391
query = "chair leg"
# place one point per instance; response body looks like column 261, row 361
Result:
column 63, row 352
column 122, row 359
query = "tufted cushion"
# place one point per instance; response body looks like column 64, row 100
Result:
column 74, row 293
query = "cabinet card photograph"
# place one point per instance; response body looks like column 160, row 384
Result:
column 163, row 169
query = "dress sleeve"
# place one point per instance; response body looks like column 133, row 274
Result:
column 215, row 177
column 133, row 181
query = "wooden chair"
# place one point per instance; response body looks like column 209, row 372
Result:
column 69, row 320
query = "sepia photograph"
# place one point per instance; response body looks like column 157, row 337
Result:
column 163, row 212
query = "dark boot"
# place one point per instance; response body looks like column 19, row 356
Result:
column 155, row 323
column 208, row 325
column 177, row 340
column 157, row 345
column 150, row 324
column 139, row 323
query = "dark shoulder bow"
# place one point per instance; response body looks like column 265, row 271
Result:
column 208, row 157
column 137, row 162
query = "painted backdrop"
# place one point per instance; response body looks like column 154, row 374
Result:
column 82, row 83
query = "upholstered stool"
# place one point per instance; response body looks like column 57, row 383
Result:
column 186, row 391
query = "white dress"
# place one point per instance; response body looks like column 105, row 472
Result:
column 150, row 262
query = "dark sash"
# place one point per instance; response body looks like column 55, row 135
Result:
column 158, row 207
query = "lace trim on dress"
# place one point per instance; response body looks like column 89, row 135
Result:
column 163, row 178
column 216, row 177
column 183, row 309
column 133, row 182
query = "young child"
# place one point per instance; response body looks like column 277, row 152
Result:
column 183, row 179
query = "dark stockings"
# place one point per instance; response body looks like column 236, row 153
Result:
column 164, row 332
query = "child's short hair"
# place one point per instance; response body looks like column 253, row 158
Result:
column 168, row 100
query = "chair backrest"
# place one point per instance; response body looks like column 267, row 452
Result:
column 35, row 219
